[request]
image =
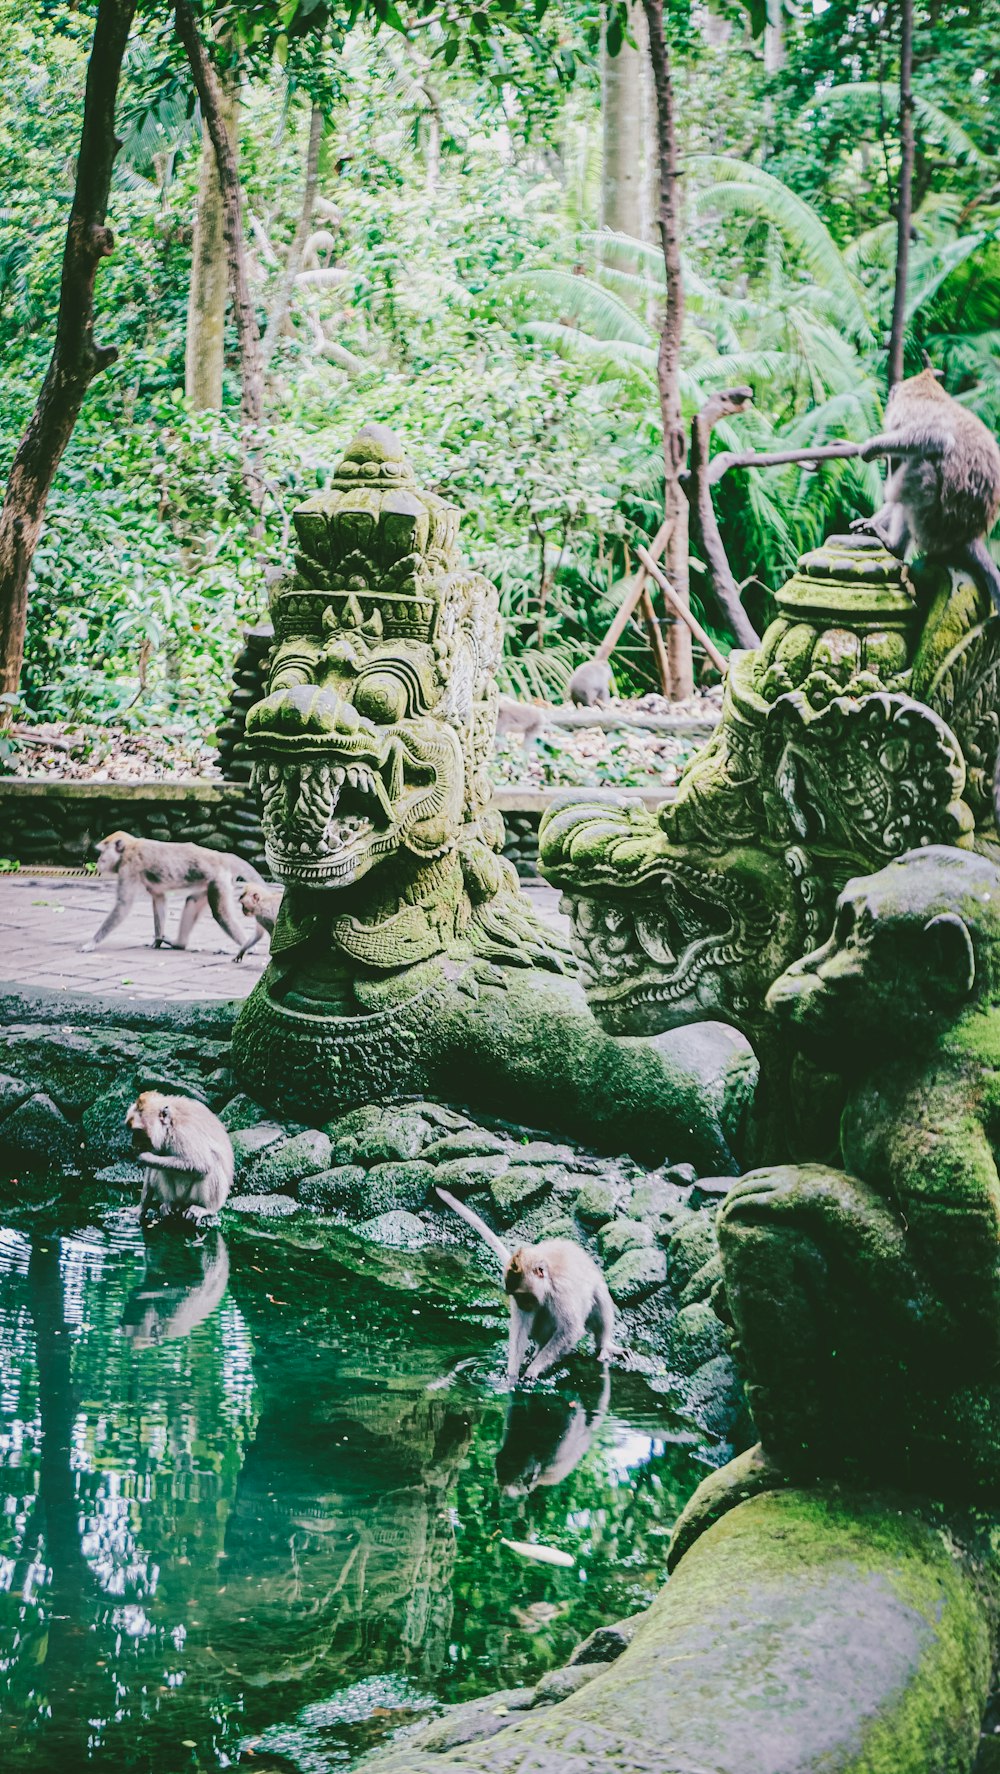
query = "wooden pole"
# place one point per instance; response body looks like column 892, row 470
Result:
column 632, row 597
column 681, row 609
column 656, row 640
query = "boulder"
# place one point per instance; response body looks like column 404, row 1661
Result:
column 620, row 1235
column 636, row 1275
column 241, row 1112
column 376, row 1135
column 40, row 1133
column 474, row 1142
column 399, row 1231
column 597, row 1202
column 282, row 1166
column 339, row 1191
column 516, row 1190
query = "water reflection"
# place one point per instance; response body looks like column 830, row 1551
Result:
column 237, row 1499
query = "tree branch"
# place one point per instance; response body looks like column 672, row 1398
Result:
column 76, row 357
column 727, row 459
column 698, row 488
column 296, row 252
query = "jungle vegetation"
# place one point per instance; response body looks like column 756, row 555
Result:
column 449, row 219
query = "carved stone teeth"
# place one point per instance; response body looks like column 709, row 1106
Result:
column 338, row 773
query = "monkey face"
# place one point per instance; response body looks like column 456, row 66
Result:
column 148, row 1121
column 527, row 1279
column 901, row 957
column 110, row 852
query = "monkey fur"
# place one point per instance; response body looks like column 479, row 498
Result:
column 556, row 1294
column 526, row 718
column 187, row 1154
column 944, row 494
column 592, row 685
column 207, row 876
column 261, row 904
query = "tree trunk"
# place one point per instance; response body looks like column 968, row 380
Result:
column 293, row 264
column 719, row 574
column 209, row 292
column 625, row 130
column 904, row 202
column 210, row 93
column 668, row 366
column 76, row 359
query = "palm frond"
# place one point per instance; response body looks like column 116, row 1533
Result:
column 865, row 97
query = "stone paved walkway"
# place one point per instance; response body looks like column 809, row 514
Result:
column 44, row 919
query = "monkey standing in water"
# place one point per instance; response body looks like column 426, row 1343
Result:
column 944, row 496
column 262, row 905
column 556, row 1292
column 187, row 1153
column 208, row 876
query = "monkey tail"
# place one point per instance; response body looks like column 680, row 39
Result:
column 472, row 1219
column 978, row 562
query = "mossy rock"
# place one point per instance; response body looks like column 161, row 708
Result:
column 559, row 1684
column 696, row 1336
column 339, row 1191
column 106, row 1138
column 517, row 1190
column 657, row 1199
column 597, row 1202
column 543, row 1152
column 281, row 1168
column 620, row 1235
column 691, row 1245
column 397, row 1187
column 636, row 1275
column 396, row 1231
column 462, row 1175
column 265, row 1207
column 39, row 1132
column 242, row 1111
column 474, row 1142
column 13, row 1092
column 703, row 1282
column 376, row 1135
column 249, row 1142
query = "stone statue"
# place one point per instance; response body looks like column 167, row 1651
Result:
column 406, row 958
column 865, row 725
column 866, row 1301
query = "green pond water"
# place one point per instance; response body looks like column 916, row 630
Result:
column 252, row 1511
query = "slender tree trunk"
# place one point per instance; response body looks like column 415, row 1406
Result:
column 209, row 90
column 293, row 264
column 625, row 191
column 208, row 296
column 76, row 359
column 904, row 202
column 668, row 366
column 723, row 587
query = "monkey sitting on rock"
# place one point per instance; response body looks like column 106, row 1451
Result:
column 207, row 876
column 187, row 1153
column 557, row 1294
column 945, row 494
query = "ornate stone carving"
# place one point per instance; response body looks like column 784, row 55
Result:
column 406, row 958
column 860, row 729
column 866, row 1301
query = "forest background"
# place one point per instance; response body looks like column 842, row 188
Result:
column 451, row 229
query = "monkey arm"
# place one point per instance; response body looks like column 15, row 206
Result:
column 893, row 443
column 520, row 1337
column 164, row 1161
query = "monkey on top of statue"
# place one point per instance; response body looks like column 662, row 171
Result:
column 944, row 494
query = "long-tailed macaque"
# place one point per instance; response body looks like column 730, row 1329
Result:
column 187, row 1154
column 592, row 684
column 556, row 1293
column 526, row 718
column 944, row 496
column 261, row 904
column 207, row 876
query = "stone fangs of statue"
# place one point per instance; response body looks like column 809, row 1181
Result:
column 405, row 957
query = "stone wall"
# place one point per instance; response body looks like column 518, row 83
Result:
column 57, row 824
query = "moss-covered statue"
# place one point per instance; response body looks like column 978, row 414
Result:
column 865, row 725
column 406, row 958
column 867, row 1301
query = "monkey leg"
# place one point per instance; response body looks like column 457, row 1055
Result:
column 563, row 1342
column 127, row 890
column 889, row 525
column 191, row 911
column 602, row 1324
column 224, row 909
column 160, row 938
column 828, row 1308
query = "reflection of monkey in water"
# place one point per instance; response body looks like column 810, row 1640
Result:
column 944, row 496
column 262, row 904
column 183, row 1284
column 546, row 1437
column 206, row 876
column 556, row 1292
column 187, row 1154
